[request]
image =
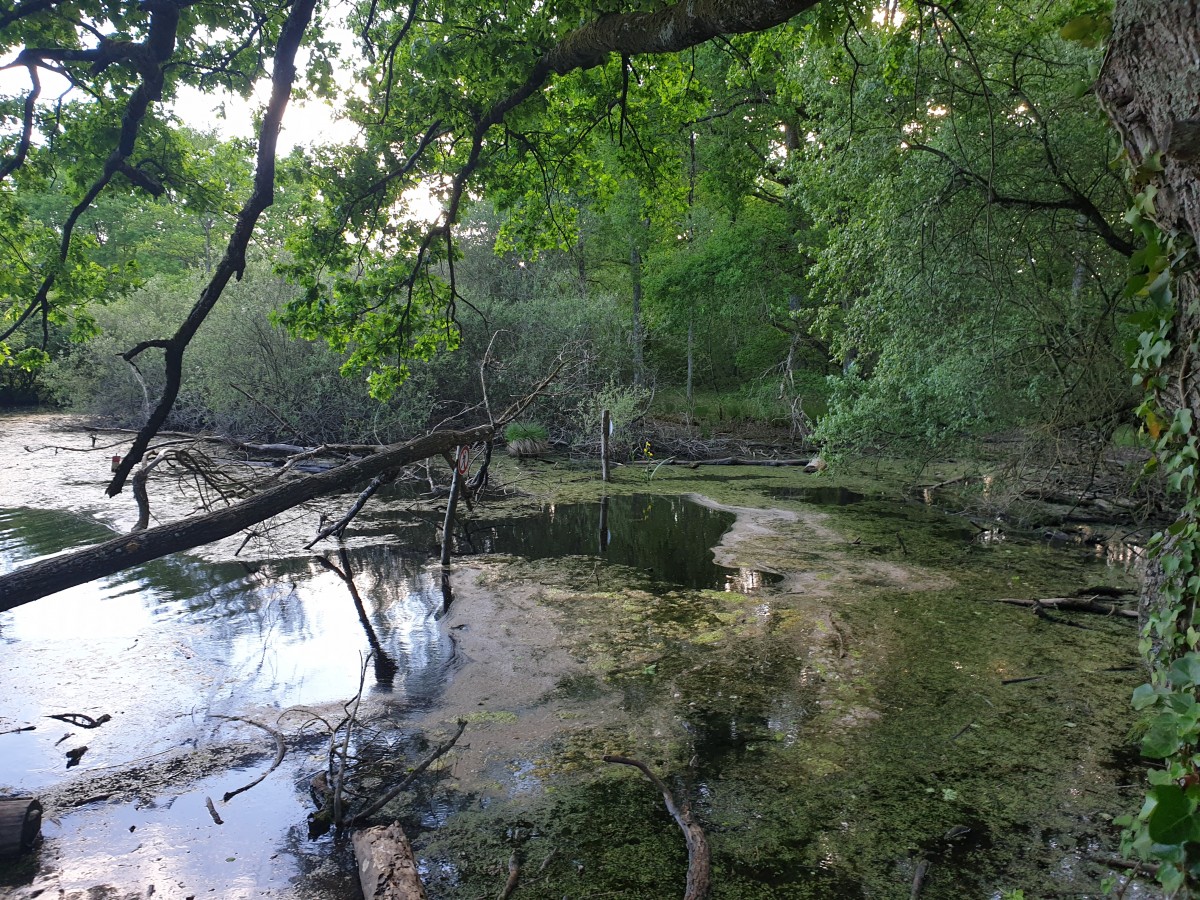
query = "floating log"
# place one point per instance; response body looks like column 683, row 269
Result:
column 386, row 867
column 20, row 825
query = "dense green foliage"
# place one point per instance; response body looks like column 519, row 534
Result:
column 907, row 216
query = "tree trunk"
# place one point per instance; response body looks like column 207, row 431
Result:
column 635, row 275
column 1150, row 88
column 691, row 362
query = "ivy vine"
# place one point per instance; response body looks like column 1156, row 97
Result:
column 1166, row 831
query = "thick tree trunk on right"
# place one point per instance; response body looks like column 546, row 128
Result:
column 1150, row 88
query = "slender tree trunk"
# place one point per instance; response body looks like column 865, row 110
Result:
column 635, row 275
column 691, row 362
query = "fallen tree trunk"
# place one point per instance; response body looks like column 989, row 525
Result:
column 80, row 566
column 20, row 825
column 386, row 867
column 722, row 461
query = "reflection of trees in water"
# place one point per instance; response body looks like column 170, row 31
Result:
column 669, row 538
column 246, row 609
column 385, row 667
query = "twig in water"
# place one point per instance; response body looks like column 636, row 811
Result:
column 280, row 749
column 80, row 720
column 212, row 810
column 699, row 876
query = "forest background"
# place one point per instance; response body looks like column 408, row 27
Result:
column 895, row 226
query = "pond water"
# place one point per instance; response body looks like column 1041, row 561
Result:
column 827, row 690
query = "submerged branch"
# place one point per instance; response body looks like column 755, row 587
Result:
column 699, row 876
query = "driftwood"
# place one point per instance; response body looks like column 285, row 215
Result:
column 919, row 877
column 386, row 867
column 20, row 825
column 699, row 875
column 727, row 461
column 80, row 720
column 514, row 876
column 1079, row 604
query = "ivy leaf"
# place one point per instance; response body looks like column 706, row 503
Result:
column 1185, row 671
column 1144, row 695
column 1163, row 737
column 1174, row 819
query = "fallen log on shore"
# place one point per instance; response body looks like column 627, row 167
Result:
column 20, row 825
column 387, row 869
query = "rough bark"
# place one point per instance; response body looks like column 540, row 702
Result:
column 1150, row 88
column 669, row 30
column 77, row 567
column 387, row 869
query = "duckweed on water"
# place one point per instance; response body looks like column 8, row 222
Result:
column 831, row 734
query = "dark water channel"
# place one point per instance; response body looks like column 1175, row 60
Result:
column 663, row 540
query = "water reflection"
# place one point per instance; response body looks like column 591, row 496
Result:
column 161, row 646
column 667, row 539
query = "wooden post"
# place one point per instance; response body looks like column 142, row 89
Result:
column 605, row 426
column 20, row 825
column 451, row 506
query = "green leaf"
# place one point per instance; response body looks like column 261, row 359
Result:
column 1185, row 671
column 1163, row 737
column 1144, row 695
column 1173, row 820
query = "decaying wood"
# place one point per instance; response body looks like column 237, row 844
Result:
column 699, row 875
column 355, row 508
column 1119, row 862
column 514, row 876
column 451, row 510
column 20, row 825
column 387, row 869
column 280, row 750
column 80, row 720
column 919, row 878
column 1079, row 604
column 212, row 811
column 725, row 461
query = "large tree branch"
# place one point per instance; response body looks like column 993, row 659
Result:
column 77, row 567
column 233, row 263
column 1074, row 201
